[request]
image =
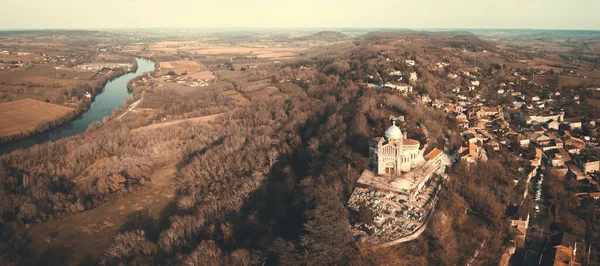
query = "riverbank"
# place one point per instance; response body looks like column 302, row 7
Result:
column 46, row 121
column 108, row 97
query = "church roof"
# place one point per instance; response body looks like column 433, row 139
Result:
column 410, row 142
column 393, row 132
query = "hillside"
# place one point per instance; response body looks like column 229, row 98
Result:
column 329, row 36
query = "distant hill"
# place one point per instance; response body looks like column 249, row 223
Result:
column 456, row 39
column 470, row 42
column 329, row 36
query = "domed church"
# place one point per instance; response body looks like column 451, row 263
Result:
column 394, row 153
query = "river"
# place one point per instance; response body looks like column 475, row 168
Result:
column 112, row 96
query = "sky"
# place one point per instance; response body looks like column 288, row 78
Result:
column 412, row 14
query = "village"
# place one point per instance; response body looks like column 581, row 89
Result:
column 530, row 127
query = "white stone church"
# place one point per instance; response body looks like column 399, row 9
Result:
column 394, row 153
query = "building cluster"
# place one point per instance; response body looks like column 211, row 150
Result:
column 186, row 80
column 59, row 61
column 95, row 67
column 532, row 127
column 400, row 189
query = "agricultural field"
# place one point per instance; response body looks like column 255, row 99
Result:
column 25, row 115
column 45, row 75
column 206, row 75
column 183, row 66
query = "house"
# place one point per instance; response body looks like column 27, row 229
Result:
column 487, row 112
column 425, row 98
column 546, row 143
column 588, row 164
column 557, row 157
column 537, row 129
column 402, row 88
column 473, row 152
column 475, row 82
column 554, row 125
column 519, row 221
column 575, row 143
column 573, row 122
column 410, row 62
column 441, row 64
column 413, row 77
column 523, row 141
column 541, row 117
column 566, row 251
column 573, row 170
column 395, row 73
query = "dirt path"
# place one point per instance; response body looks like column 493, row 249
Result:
column 133, row 106
column 88, row 234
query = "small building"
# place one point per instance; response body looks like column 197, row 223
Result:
column 567, row 250
column 519, row 221
column 588, row 164
column 413, row 77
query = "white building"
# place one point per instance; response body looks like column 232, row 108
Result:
column 413, row 76
column 395, row 73
column 393, row 153
column 402, row 88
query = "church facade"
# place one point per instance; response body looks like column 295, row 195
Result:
column 394, row 153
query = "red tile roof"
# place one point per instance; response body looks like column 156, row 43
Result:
column 434, row 153
column 409, row 142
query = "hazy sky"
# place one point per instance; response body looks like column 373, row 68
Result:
column 533, row 14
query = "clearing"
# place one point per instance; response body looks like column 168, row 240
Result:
column 87, row 234
column 268, row 92
column 201, row 119
column 238, row 97
column 24, row 115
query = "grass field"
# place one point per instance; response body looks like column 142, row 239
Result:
column 260, row 51
column 24, row 115
column 47, row 75
column 181, row 66
column 206, row 75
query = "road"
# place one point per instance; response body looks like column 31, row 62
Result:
column 538, row 233
column 133, row 106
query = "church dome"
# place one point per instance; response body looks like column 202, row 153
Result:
column 393, row 132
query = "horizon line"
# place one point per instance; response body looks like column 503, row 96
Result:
column 284, row 28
